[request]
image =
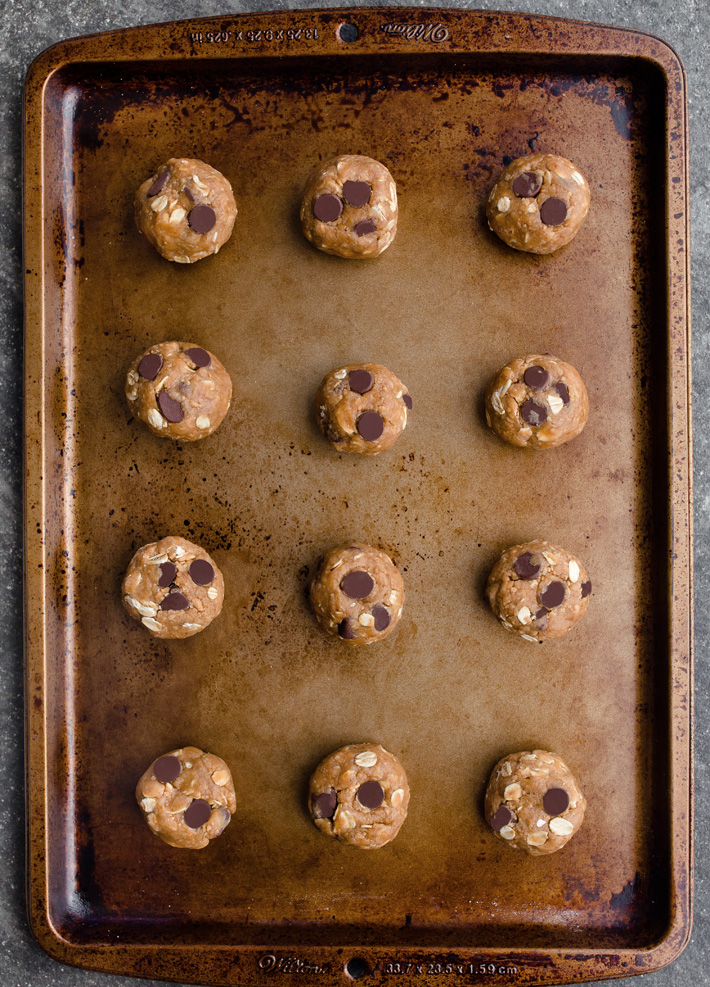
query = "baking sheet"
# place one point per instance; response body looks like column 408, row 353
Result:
column 443, row 98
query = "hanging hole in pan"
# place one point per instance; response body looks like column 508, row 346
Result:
column 347, row 33
column 356, row 967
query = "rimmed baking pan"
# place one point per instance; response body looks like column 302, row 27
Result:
column 444, row 98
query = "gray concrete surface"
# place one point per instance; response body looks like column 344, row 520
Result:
column 27, row 27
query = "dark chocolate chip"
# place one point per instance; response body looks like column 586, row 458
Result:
column 370, row 425
column 361, row 381
column 150, row 365
column 197, row 813
column 169, row 409
column 407, row 400
column 327, row 208
column 364, row 227
column 324, row 804
column 537, row 378
column 225, row 815
column 586, row 588
column 533, row 413
column 542, row 613
column 167, row 768
column 201, row 572
column 159, row 184
column 562, row 391
column 525, row 566
column 553, row 596
column 357, row 584
column 168, row 572
column 555, row 801
column 199, row 357
column 175, row 601
column 371, row 794
column 553, row 212
column 527, row 185
column 345, row 630
column 356, row 193
column 189, row 194
column 382, row 617
column 201, row 218
column 501, row 817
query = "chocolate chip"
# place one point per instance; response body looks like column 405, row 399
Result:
column 189, row 194
column 199, row 357
column 562, row 391
column 197, row 813
column 159, row 184
column 224, row 816
column 364, row 227
column 167, row 768
column 501, row 817
column 407, row 400
column 357, row 584
column 175, row 601
column 370, row 425
column 586, row 588
column 527, row 185
column 356, row 193
column 170, row 410
column 537, row 378
column 201, row 218
column 553, row 596
column 361, row 381
column 555, row 801
column 553, row 212
column 327, row 208
column 541, row 619
column 533, row 413
column 324, row 804
column 371, row 794
column 201, row 572
column 150, row 365
column 168, row 572
column 382, row 617
column 526, row 567
column 345, row 630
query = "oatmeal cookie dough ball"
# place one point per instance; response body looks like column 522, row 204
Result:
column 187, row 797
column 359, row 794
column 537, row 401
column 533, row 802
column 186, row 209
column 362, row 407
column 539, row 203
column 357, row 594
column 538, row 590
column 173, row 588
column 349, row 207
column 179, row 390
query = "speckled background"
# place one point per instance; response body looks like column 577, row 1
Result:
column 28, row 27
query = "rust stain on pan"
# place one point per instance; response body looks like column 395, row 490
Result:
column 445, row 102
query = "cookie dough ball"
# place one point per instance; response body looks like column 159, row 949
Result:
column 173, row 588
column 357, row 594
column 362, row 407
column 186, row 209
column 359, row 794
column 187, row 797
column 538, row 590
column 349, row 207
column 179, row 390
column 537, row 401
column 539, row 203
column 533, row 802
